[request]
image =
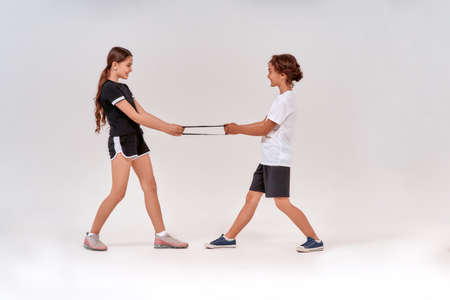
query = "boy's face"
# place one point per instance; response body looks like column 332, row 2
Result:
column 274, row 77
column 124, row 67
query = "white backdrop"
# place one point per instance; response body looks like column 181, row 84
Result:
column 371, row 151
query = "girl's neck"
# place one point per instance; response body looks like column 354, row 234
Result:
column 113, row 77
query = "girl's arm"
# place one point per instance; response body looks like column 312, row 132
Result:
column 139, row 108
column 261, row 128
column 148, row 120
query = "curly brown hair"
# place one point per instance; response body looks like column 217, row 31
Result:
column 287, row 64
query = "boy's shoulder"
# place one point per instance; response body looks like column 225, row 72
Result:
column 286, row 97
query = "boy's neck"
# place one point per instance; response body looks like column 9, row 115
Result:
column 284, row 87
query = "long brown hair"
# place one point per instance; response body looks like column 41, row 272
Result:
column 116, row 54
column 287, row 64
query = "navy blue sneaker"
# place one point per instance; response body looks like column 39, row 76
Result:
column 310, row 245
column 221, row 242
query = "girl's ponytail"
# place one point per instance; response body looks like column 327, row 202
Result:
column 116, row 54
column 100, row 118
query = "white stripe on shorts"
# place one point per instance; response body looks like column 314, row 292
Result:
column 118, row 148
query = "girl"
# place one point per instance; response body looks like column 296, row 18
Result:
column 127, row 148
column 272, row 175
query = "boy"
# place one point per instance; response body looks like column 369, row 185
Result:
column 272, row 175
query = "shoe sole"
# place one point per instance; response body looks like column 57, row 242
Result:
column 310, row 250
column 209, row 246
column 93, row 249
column 167, row 247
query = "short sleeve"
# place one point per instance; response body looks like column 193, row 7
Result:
column 279, row 111
column 112, row 94
column 131, row 93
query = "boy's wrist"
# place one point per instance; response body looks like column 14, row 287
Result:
column 238, row 129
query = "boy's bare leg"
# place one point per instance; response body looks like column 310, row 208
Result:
column 296, row 216
column 245, row 215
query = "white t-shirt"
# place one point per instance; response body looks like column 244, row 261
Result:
column 276, row 146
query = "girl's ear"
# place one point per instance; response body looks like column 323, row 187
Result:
column 114, row 65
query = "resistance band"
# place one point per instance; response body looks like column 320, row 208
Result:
column 203, row 126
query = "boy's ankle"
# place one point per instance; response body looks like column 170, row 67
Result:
column 228, row 238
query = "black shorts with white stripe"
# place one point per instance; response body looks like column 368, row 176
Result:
column 130, row 145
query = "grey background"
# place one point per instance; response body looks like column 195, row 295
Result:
column 371, row 149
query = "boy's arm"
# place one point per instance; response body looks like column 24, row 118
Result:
column 261, row 128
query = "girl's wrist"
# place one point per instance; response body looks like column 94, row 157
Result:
column 166, row 128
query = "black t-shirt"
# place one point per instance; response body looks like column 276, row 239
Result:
column 111, row 93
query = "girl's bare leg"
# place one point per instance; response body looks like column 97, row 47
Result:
column 143, row 168
column 245, row 215
column 120, row 173
column 296, row 216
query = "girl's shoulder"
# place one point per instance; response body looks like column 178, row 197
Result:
column 115, row 85
column 111, row 90
column 108, row 84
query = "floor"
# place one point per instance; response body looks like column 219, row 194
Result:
column 409, row 266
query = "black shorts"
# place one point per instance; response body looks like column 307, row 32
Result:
column 130, row 145
column 271, row 180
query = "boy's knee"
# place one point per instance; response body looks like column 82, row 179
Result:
column 252, row 199
column 282, row 203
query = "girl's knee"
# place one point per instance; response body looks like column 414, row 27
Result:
column 149, row 187
column 118, row 195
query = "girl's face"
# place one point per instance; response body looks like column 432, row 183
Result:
column 275, row 78
column 123, row 68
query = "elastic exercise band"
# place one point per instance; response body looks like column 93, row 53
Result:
column 203, row 126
